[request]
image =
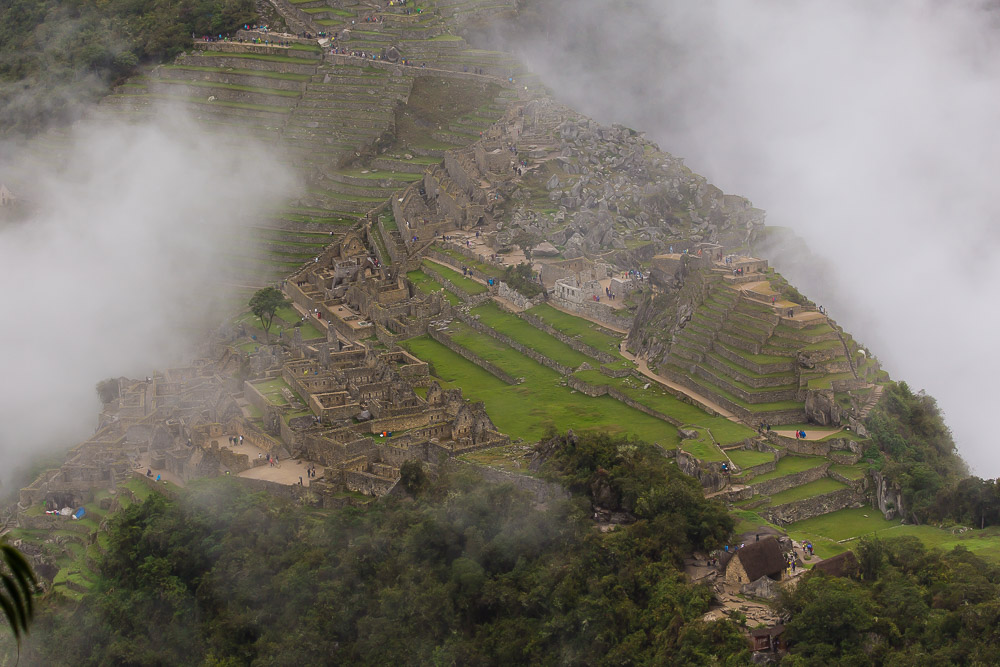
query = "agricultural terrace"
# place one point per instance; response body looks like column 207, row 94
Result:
column 541, row 402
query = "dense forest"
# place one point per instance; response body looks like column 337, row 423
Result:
column 55, row 54
column 914, row 449
column 460, row 572
column 906, row 605
column 457, row 571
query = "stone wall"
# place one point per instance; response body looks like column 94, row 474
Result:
column 504, row 291
column 577, row 345
column 541, row 490
column 595, row 310
column 466, row 353
column 601, row 390
column 779, row 484
column 507, row 340
column 810, row 507
column 710, row 480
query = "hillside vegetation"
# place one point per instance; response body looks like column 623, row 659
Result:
column 466, row 573
column 55, row 55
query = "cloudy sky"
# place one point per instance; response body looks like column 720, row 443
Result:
column 870, row 128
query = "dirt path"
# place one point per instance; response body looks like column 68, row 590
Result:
column 644, row 369
column 811, row 434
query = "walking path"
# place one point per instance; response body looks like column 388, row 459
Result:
column 811, row 433
column 707, row 402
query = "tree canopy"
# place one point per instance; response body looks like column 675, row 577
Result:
column 464, row 573
column 264, row 304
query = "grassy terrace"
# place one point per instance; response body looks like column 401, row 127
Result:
column 496, row 318
column 529, row 409
column 244, row 72
column 254, row 56
column 790, row 465
column 854, row 472
column 817, row 488
column 425, row 284
column 219, row 103
column 592, row 334
column 703, row 449
column 381, row 175
column 465, row 261
column 724, row 431
column 751, row 407
column 747, row 458
column 232, row 86
column 761, row 359
column 456, row 278
column 848, row 525
column 272, row 389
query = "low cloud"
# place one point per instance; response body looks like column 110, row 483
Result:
column 868, row 128
column 119, row 265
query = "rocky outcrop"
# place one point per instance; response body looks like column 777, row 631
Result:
column 887, row 497
column 821, row 407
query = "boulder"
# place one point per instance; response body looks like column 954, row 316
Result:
column 544, row 249
column 822, row 408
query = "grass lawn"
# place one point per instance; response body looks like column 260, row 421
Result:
column 747, row 458
column 424, row 283
column 528, row 410
column 817, row 488
column 592, row 334
column 703, row 449
column 311, row 331
column 790, row 465
column 856, row 471
column 849, row 525
column 457, row 279
column 462, row 259
column 272, row 390
column 496, row 318
column 254, row 56
column 724, row 431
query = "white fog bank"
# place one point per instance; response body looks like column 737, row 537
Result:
column 870, row 128
column 117, row 264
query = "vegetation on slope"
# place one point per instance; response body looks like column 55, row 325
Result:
column 905, row 605
column 465, row 573
column 54, row 55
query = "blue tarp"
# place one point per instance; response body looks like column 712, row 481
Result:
column 79, row 513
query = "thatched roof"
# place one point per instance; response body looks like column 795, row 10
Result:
column 768, row 632
column 762, row 559
column 839, row 565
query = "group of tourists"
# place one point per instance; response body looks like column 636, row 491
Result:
column 800, row 435
column 236, row 440
column 608, row 293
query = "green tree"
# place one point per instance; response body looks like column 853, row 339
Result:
column 264, row 304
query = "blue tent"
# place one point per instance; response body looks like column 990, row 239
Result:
column 79, row 513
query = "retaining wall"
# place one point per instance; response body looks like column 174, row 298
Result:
column 779, row 484
column 810, row 507
column 507, row 340
column 466, row 353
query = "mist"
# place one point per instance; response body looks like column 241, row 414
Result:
column 868, row 128
column 118, row 266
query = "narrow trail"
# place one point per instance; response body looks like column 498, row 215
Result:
column 644, row 369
